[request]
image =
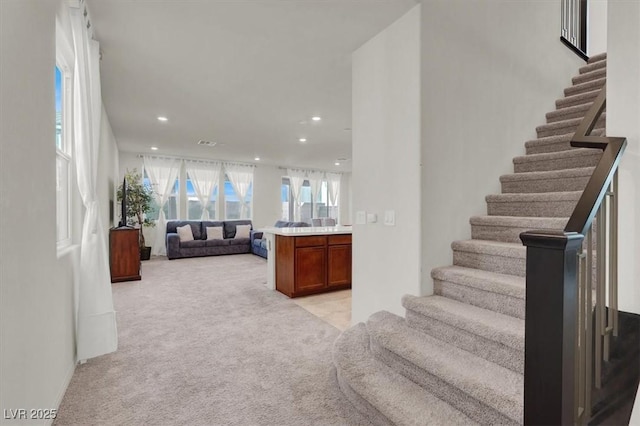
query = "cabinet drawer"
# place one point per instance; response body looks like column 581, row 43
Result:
column 310, row 241
column 339, row 239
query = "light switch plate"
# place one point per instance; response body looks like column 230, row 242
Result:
column 372, row 218
column 361, row 217
column 390, row 217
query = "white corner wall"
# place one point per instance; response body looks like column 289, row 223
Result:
column 623, row 119
column 490, row 71
column 386, row 167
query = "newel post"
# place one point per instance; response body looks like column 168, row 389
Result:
column 550, row 327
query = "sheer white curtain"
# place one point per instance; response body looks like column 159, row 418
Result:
column 333, row 188
column 296, row 180
column 241, row 178
column 315, row 184
column 162, row 173
column 96, row 332
column 204, row 178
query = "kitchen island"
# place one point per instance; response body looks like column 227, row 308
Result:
column 303, row 261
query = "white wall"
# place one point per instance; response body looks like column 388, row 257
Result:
column 37, row 335
column 386, row 167
column 267, row 206
column 597, row 27
column 346, row 200
column 623, row 119
column 490, row 71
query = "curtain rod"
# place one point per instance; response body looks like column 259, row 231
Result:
column 201, row 160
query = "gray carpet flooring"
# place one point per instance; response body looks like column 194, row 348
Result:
column 203, row 342
column 457, row 357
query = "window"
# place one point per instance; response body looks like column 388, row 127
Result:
column 194, row 208
column 63, row 156
column 320, row 207
column 171, row 206
column 232, row 203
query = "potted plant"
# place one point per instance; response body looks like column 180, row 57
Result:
column 138, row 204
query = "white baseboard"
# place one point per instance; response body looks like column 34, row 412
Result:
column 64, row 386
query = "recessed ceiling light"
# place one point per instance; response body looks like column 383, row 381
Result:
column 316, row 118
column 302, row 139
column 162, row 118
column 257, row 158
column 154, row 148
column 336, row 163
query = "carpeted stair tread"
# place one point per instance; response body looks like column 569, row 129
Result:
column 585, row 87
column 498, row 292
column 481, row 389
column 491, row 325
column 573, row 111
column 547, row 181
column 593, row 66
column 590, row 75
column 578, row 98
column 555, row 143
column 508, row 228
column 384, row 395
column 559, row 160
column 543, row 204
column 565, row 126
column 492, row 256
column 597, row 58
column 485, row 333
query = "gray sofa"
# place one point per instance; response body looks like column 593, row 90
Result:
column 259, row 244
column 200, row 246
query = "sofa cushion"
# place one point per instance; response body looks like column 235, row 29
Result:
column 298, row 224
column 263, row 243
column 230, row 226
column 185, row 233
column 217, row 243
column 192, row 244
column 281, row 224
column 195, row 227
column 242, row 231
column 239, row 241
column 257, row 243
column 214, row 233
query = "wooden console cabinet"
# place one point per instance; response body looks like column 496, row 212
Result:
column 124, row 254
column 312, row 264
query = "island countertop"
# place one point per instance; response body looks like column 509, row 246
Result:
column 308, row 231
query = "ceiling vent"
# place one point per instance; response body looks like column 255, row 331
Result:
column 209, row 143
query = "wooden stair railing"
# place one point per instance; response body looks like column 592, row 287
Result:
column 559, row 302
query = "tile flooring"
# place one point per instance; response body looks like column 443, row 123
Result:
column 334, row 307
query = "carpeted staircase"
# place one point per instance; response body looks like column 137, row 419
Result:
column 458, row 356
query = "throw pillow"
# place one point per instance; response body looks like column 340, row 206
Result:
column 185, row 233
column 214, row 233
column 242, row 231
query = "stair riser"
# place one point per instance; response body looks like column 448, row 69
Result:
column 589, row 76
column 499, row 233
column 496, row 302
column 487, row 262
column 567, row 114
column 585, row 87
column 532, row 209
column 361, row 404
column 588, row 96
column 545, row 185
column 473, row 408
column 573, row 162
column 490, row 350
column 570, row 128
column 592, row 67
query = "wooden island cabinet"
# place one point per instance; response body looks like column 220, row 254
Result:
column 309, row 264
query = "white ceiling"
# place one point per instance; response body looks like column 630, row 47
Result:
column 245, row 73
